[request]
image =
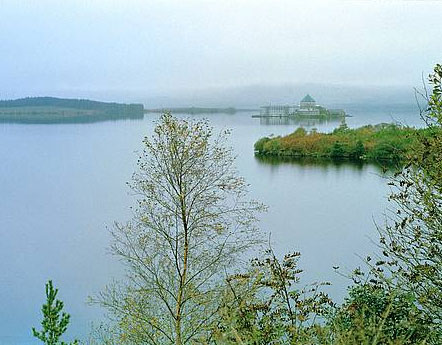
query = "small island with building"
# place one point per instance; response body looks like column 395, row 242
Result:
column 307, row 108
column 60, row 110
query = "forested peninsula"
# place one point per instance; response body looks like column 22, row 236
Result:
column 52, row 109
column 372, row 142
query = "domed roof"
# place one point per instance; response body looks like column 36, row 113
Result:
column 308, row 98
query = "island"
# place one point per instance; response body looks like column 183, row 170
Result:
column 372, row 142
column 59, row 110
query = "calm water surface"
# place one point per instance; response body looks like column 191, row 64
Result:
column 63, row 185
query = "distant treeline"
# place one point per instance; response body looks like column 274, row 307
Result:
column 80, row 104
column 61, row 110
column 197, row 110
column 379, row 142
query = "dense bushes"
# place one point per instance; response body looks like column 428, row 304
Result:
column 267, row 305
column 390, row 315
column 379, row 142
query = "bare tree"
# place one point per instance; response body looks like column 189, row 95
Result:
column 192, row 221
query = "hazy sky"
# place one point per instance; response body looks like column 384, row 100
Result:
column 166, row 48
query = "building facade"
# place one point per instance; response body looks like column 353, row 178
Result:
column 307, row 107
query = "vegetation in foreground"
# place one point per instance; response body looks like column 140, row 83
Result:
column 55, row 320
column 186, row 286
column 379, row 142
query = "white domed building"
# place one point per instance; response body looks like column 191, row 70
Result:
column 307, row 108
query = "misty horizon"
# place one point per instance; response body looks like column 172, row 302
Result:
column 254, row 96
column 166, row 53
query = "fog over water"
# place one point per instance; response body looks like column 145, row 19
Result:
column 63, row 185
column 216, row 52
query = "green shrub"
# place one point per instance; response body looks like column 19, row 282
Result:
column 259, row 145
column 358, row 150
column 272, row 146
column 389, row 316
column 338, row 150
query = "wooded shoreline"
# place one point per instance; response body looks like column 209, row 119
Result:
column 59, row 110
column 388, row 142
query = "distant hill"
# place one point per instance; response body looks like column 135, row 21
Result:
column 51, row 109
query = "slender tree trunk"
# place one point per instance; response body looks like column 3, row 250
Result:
column 178, row 339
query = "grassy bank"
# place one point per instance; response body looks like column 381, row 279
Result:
column 378, row 142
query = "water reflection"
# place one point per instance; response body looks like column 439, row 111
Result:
column 44, row 119
column 304, row 122
column 325, row 164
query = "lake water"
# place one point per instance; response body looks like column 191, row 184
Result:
column 62, row 185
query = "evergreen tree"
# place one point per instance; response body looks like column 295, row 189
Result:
column 55, row 321
column 337, row 150
column 359, row 150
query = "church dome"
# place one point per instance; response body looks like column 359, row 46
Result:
column 308, row 99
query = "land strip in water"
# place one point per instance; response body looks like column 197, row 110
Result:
column 51, row 109
column 372, row 142
column 198, row 110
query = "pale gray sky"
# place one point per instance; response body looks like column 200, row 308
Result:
column 145, row 48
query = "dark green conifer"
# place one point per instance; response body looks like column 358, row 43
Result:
column 358, row 151
column 55, row 320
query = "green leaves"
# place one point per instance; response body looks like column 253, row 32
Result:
column 370, row 305
column 265, row 305
column 411, row 241
column 55, row 320
column 193, row 220
column 380, row 142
